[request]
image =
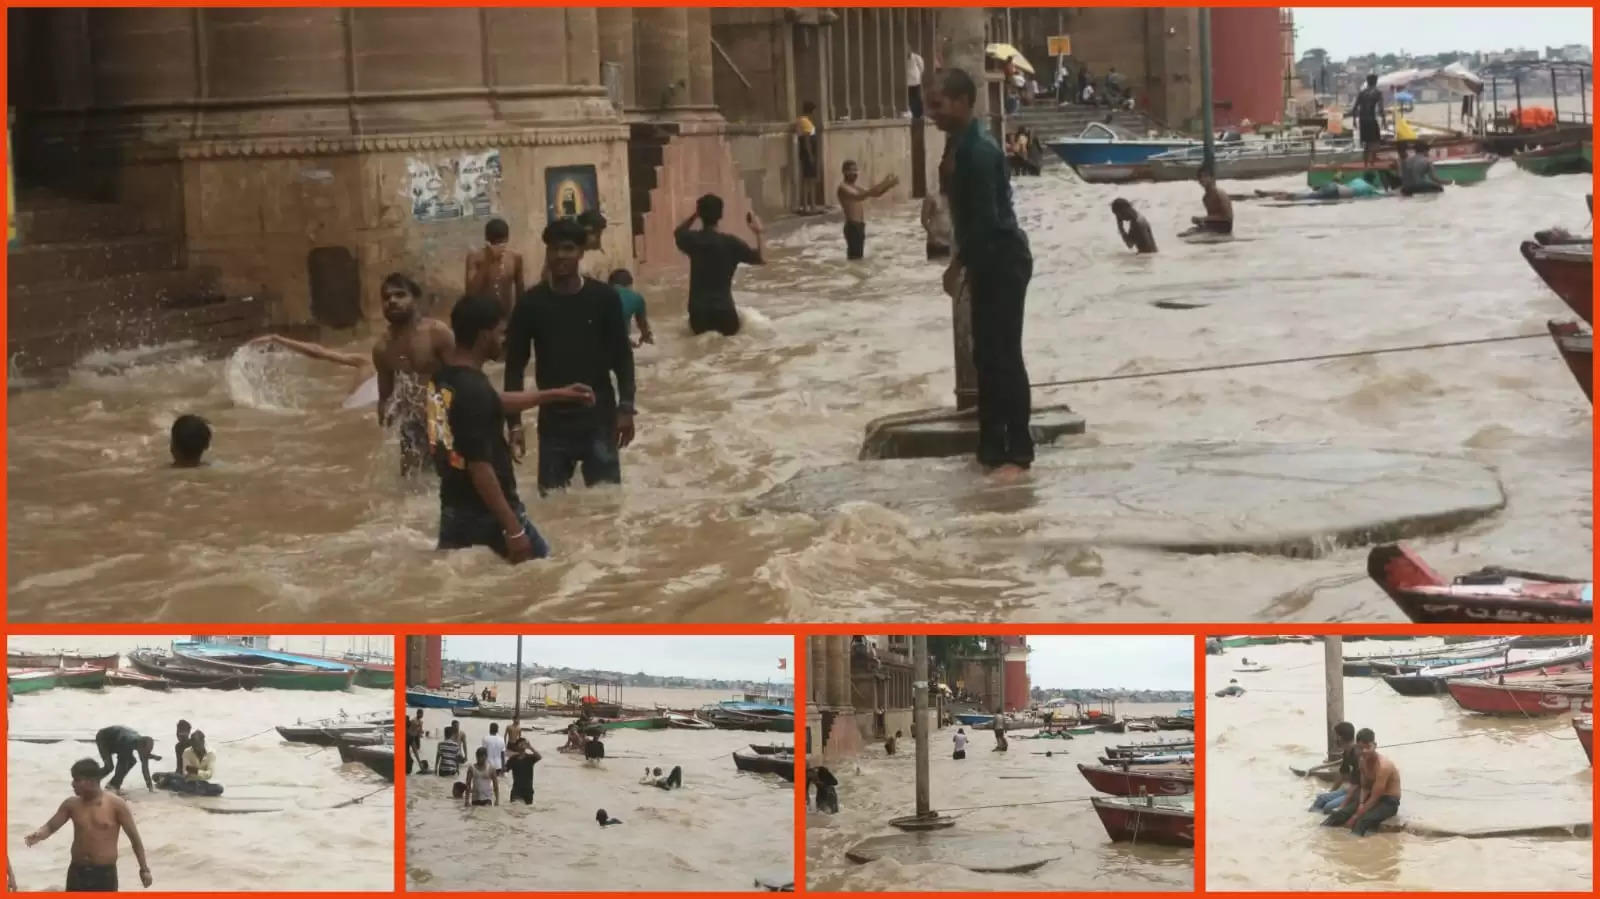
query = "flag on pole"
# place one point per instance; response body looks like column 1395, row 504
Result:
column 783, row 664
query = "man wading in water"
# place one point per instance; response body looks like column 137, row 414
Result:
column 97, row 817
column 492, row 269
column 853, row 200
column 993, row 252
column 575, row 330
column 713, row 258
column 478, row 504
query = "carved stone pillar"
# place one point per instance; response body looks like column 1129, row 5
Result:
column 661, row 42
column 839, row 60
column 616, row 46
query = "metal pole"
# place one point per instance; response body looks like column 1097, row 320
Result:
column 1000, row 675
column 919, row 719
column 1583, row 96
column 516, row 702
column 1210, row 160
column 1555, row 95
column 1333, row 680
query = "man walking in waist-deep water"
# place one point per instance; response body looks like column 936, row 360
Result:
column 713, row 258
column 574, row 329
column 992, row 250
column 98, row 819
column 853, row 200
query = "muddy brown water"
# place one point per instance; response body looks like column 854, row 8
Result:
column 301, row 516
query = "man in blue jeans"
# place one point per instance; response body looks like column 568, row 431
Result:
column 1379, row 793
column 1344, row 733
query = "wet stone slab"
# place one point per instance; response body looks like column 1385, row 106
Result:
column 984, row 853
column 1295, row 500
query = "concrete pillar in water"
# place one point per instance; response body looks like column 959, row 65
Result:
column 615, row 25
column 1333, row 682
column 919, row 718
column 661, row 42
column 817, row 656
column 961, row 39
column 700, row 63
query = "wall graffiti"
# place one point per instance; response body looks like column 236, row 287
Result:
column 459, row 187
column 570, row 191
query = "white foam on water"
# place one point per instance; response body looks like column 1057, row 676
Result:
column 256, row 381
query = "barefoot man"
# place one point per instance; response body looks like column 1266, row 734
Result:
column 97, row 818
column 853, row 200
column 992, row 250
column 492, row 269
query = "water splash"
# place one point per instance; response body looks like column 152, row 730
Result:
column 255, row 380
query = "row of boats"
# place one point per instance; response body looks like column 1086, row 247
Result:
column 1488, row 595
column 192, row 664
column 1078, row 726
column 1566, row 265
column 742, row 713
column 1150, row 790
column 367, row 740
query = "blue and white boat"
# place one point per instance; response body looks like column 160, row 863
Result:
column 1100, row 144
column 976, row 720
column 419, row 698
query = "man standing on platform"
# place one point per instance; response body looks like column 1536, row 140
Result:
column 992, row 251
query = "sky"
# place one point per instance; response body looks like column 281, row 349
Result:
column 1346, row 32
column 724, row 658
column 1088, row 663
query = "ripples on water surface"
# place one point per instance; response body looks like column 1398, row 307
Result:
column 300, row 515
column 1502, row 772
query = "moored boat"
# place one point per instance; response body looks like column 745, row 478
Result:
column 1583, row 725
column 1134, row 749
column 30, row 680
column 84, row 677
column 1166, row 758
column 1154, row 781
column 181, row 673
column 1099, row 144
column 1456, row 170
column 1252, row 159
column 118, row 677
column 1525, row 696
column 1488, row 595
column 378, row 757
column 1559, row 159
column 422, row 698
column 644, row 722
column 771, row 749
column 329, row 731
column 1568, row 269
column 1431, row 681
column 370, row 672
column 1577, row 350
column 1146, row 821
column 776, row 763
column 1416, row 659
column 61, row 660
column 272, row 669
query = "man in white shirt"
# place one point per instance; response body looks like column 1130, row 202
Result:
column 914, row 68
column 496, row 747
column 961, row 744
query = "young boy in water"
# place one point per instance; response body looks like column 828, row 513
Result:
column 1133, row 227
column 632, row 305
column 191, row 437
column 98, row 818
column 493, row 270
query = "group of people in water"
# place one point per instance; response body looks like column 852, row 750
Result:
column 1366, row 789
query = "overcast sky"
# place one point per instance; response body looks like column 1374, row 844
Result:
column 725, row 658
column 1088, row 663
column 1346, row 32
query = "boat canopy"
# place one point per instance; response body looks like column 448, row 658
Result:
column 1455, row 78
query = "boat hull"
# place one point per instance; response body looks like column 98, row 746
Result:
column 83, row 678
column 306, row 673
column 1584, row 726
column 654, row 722
column 1577, row 351
column 426, row 699
column 781, row 765
column 137, row 679
column 1118, row 782
column 1568, row 269
column 61, row 660
column 182, row 674
column 1532, row 700
column 1130, row 820
column 1425, row 597
column 379, row 759
column 1088, row 151
column 30, row 680
column 1562, row 159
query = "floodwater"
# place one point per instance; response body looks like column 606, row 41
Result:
column 301, row 516
column 720, row 832
column 294, row 840
column 1484, row 771
column 876, row 787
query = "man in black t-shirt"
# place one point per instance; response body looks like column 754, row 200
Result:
column 478, row 504
column 575, row 330
column 520, row 763
column 713, row 258
column 1344, row 734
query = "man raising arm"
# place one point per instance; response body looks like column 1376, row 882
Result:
column 97, row 818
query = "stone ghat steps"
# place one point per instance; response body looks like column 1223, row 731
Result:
column 206, row 330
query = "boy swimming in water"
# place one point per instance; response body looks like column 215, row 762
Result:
column 191, row 437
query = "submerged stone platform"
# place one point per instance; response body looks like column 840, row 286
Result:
column 938, row 433
column 984, row 853
column 1296, row 500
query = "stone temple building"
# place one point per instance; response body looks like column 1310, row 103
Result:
column 202, row 174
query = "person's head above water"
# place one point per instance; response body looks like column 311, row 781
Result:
column 497, row 233
column 709, row 210
column 479, row 325
column 957, row 93
column 400, row 295
column 1122, row 209
column 851, row 171
column 191, row 437
column 85, row 778
column 565, row 241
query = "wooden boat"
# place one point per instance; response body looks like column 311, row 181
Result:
column 1083, row 730
column 84, row 677
column 1134, row 749
column 1391, row 663
column 1525, row 696
column 644, row 722
column 1584, row 726
column 1154, row 781
column 1179, row 722
column 1146, row 821
column 30, row 680
column 1559, row 159
column 327, row 732
column 688, row 722
column 1252, row 159
column 378, row 757
column 374, row 673
column 121, row 678
column 421, row 698
column 496, row 710
column 61, row 660
column 1488, row 595
column 1433, row 681
column 771, row 749
column 1577, row 350
column 181, row 673
column 1568, row 269
column 272, row 669
column 1166, row 758
column 1457, row 170
column 781, row 765
column 1252, row 669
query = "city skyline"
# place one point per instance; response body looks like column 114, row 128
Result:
column 1144, row 662
column 744, row 658
column 1346, row 32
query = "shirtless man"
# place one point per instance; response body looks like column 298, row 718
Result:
column 493, row 270
column 1379, row 793
column 853, row 199
column 1219, row 209
column 97, row 818
column 1133, row 227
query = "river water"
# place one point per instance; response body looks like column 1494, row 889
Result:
column 1488, row 771
column 300, row 515
column 299, row 841
column 720, row 832
column 876, row 787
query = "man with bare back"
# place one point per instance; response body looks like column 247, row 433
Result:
column 493, row 270
column 853, row 200
column 98, row 817
column 1379, row 793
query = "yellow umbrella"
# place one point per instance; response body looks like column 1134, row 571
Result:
column 1006, row 52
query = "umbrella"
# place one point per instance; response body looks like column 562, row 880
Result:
column 1404, row 97
column 1008, row 53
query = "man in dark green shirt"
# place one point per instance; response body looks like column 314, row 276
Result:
column 993, row 251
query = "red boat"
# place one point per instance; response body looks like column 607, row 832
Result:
column 1577, row 350
column 1174, row 781
column 1144, row 821
column 61, row 660
column 1569, row 270
column 1487, row 595
column 1525, row 696
column 1584, row 725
